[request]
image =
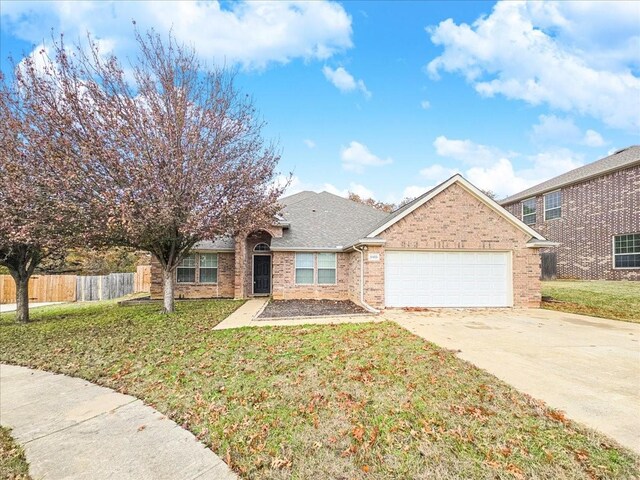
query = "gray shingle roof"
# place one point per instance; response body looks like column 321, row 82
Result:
column 222, row 243
column 620, row 160
column 324, row 220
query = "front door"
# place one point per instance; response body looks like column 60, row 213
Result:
column 262, row 274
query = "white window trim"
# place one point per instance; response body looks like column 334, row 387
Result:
column 335, row 267
column 544, row 200
column 613, row 252
column 217, row 268
column 534, row 213
column 295, row 268
column 197, row 275
column 315, row 270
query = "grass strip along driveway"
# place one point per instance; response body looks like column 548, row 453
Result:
column 325, row 401
column 13, row 465
column 618, row 300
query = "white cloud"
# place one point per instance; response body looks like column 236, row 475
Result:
column 553, row 128
column 425, row 104
column 413, row 191
column 593, row 139
column 557, row 130
column 438, row 172
column 344, row 81
column 556, row 53
column 309, row 143
column 250, row 34
column 498, row 173
column 357, row 156
column 467, row 151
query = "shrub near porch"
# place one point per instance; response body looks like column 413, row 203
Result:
column 323, row 401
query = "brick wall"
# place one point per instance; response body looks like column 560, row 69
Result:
column 592, row 213
column 456, row 220
column 284, row 287
column 223, row 289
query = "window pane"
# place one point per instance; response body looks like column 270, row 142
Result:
column 529, row 206
column 326, row 260
column 304, row 276
column 188, row 261
column 326, row 276
column 529, row 219
column 304, row 260
column 208, row 275
column 628, row 261
column 552, row 200
column 627, row 243
column 208, row 260
column 551, row 214
column 186, row 274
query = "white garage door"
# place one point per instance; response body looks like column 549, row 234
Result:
column 447, row 279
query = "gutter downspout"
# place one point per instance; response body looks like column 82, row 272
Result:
column 364, row 304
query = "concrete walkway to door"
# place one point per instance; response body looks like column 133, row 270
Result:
column 73, row 429
column 589, row 367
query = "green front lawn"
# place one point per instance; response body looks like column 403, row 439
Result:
column 354, row 401
column 13, row 465
column 619, row 300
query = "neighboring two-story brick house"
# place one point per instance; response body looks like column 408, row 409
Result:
column 593, row 212
column 451, row 247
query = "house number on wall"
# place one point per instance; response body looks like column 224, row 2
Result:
column 374, row 257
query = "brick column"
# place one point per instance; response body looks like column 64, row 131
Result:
column 240, row 266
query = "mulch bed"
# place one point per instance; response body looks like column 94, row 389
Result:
column 310, row 308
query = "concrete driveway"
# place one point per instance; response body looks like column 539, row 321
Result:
column 588, row 367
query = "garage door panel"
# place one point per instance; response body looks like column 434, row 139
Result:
column 447, row 279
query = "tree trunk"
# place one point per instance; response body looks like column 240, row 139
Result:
column 22, row 300
column 169, row 302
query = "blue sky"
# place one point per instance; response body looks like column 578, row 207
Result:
column 387, row 99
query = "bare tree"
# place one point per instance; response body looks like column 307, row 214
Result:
column 164, row 152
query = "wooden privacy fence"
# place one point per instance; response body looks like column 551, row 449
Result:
column 42, row 288
column 69, row 288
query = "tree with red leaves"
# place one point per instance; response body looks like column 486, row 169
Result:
column 161, row 153
column 35, row 221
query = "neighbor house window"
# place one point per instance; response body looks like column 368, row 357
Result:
column 626, row 251
column 186, row 272
column 208, row 268
column 304, row 268
column 529, row 211
column 326, row 268
column 552, row 205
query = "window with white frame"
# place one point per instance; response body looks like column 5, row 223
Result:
column 529, row 211
column 304, row 268
column 208, row 267
column 186, row 271
column 553, row 205
column 261, row 247
column 327, row 268
column 626, row 251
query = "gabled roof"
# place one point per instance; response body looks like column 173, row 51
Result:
column 324, row 221
column 620, row 160
column 402, row 212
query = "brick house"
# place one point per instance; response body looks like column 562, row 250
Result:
column 593, row 212
column 451, row 247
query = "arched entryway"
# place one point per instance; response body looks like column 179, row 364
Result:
column 259, row 253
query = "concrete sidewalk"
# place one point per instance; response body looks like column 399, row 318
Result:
column 11, row 307
column 71, row 428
